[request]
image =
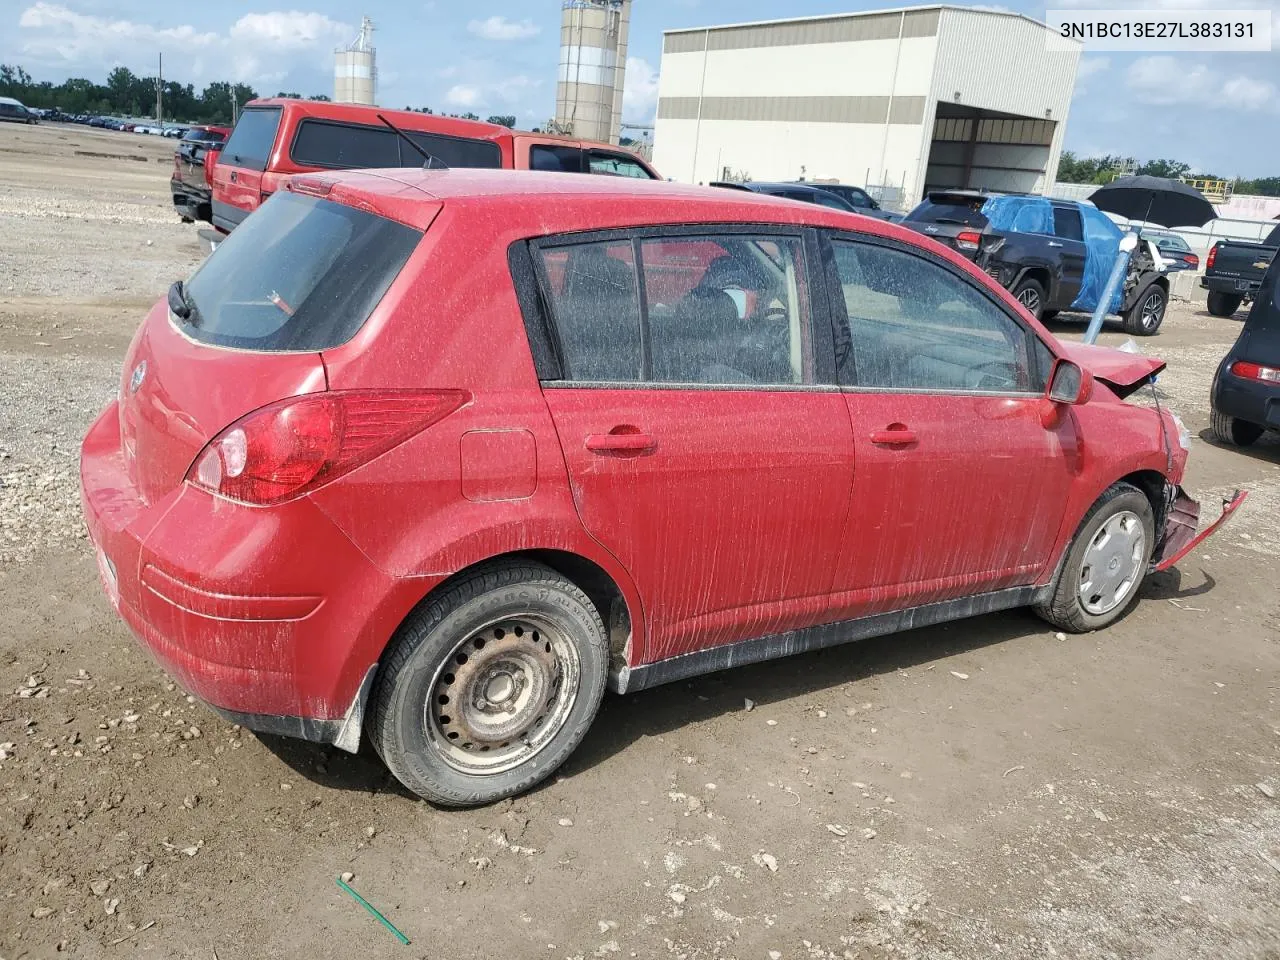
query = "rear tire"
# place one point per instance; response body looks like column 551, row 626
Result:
column 488, row 687
column 1232, row 430
column 1223, row 304
column 1143, row 319
column 1106, row 563
column 1030, row 294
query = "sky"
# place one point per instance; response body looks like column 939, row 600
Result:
column 1217, row 111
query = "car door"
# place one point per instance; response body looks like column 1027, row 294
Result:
column 1068, row 241
column 238, row 179
column 959, row 486
column 707, row 445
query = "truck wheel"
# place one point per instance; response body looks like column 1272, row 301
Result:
column 1105, row 564
column 1232, row 430
column 1223, row 304
column 1030, row 294
column 490, row 685
column 1143, row 319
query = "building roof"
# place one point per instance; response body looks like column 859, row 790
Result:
column 863, row 13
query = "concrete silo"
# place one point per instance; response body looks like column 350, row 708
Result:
column 593, row 62
column 355, row 68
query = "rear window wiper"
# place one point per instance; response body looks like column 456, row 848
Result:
column 181, row 305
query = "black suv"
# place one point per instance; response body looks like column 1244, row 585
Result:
column 1246, row 389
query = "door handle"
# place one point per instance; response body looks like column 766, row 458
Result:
column 234, row 178
column 1054, row 243
column 896, row 435
column 634, row 443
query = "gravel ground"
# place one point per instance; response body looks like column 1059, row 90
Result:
column 973, row 790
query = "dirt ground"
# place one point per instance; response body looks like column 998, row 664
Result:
column 974, row 790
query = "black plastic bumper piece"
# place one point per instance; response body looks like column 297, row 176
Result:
column 300, row 728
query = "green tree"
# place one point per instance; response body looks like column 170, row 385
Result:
column 320, row 97
column 503, row 120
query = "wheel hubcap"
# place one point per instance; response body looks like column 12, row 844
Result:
column 502, row 695
column 1030, row 299
column 1151, row 311
column 1113, row 563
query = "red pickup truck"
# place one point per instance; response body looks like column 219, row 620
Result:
column 278, row 137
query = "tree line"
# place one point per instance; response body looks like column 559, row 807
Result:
column 1100, row 170
column 129, row 95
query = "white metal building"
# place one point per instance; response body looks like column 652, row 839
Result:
column 905, row 100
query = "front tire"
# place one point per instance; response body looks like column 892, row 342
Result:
column 1223, row 304
column 1105, row 564
column 488, row 687
column 1030, row 294
column 1232, row 430
column 1143, row 319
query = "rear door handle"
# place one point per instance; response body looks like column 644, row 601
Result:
column 1054, row 243
column 896, row 435
column 635, row 443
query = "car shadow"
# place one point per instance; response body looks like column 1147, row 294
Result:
column 1167, row 585
column 1265, row 450
column 624, row 720
column 327, row 766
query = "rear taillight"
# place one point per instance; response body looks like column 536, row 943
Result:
column 1255, row 371
column 1191, row 259
column 293, row 446
column 968, row 239
column 1212, row 258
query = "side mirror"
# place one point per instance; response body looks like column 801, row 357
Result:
column 1070, row 383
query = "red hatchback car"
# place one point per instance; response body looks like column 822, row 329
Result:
column 435, row 456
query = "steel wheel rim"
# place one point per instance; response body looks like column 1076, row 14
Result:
column 1150, row 311
column 501, row 695
column 1030, row 299
column 1113, row 563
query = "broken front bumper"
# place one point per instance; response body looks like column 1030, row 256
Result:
column 1182, row 517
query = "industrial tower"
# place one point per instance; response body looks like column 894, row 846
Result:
column 593, row 62
column 355, row 69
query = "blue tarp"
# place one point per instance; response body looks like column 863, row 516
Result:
column 1101, row 239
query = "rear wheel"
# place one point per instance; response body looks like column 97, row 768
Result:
column 1030, row 294
column 1105, row 564
column 1223, row 304
column 490, row 686
column 1232, row 430
column 1143, row 319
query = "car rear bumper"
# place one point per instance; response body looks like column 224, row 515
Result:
column 188, row 200
column 1242, row 286
column 270, row 615
column 227, row 217
column 1252, row 401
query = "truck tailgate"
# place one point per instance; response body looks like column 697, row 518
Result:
column 1241, row 260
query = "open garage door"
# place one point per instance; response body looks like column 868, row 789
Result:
column 984, row 150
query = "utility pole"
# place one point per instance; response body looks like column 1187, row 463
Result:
column 233, row 104
column 160, row 95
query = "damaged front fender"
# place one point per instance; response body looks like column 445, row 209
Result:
column 1181, row 518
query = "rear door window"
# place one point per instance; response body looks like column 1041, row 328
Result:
column 451, row 151
column 1067, row 225
column 252, row 139
column 302, row 273
column 555, row 159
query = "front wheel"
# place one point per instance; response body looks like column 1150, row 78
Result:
column 1143, row 319
column 1105, row 564
column 489, row 686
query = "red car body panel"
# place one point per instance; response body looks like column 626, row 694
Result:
column 793, row 510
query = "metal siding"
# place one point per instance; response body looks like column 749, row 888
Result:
column 874, row 26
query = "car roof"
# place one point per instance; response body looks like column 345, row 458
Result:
column 543, row 203
column 12, row 102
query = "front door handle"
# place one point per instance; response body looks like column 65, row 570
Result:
column 895, row 435
column 234, row 178
column 621, row 443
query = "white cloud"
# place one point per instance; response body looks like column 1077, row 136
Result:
column 1091, row 66
column 462, row 95
column 500, row 28
column 1173, row 81
column 640, row 91
column 259, row 48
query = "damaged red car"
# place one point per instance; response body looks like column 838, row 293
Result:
column 436, row 457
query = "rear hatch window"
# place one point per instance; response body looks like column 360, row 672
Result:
column 250, row 143
column 950, row 209
column 302, row 273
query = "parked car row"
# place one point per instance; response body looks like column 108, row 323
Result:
column 837, row 196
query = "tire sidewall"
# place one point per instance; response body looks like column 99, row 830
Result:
column 417, row 762
column 1127, row 498
column 1031, row 283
